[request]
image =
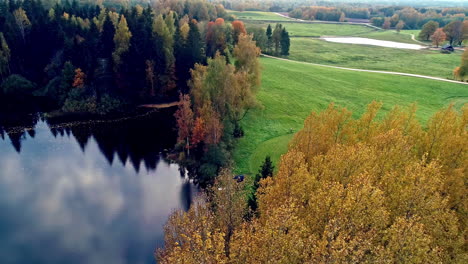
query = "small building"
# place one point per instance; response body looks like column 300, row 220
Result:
column 448, row 47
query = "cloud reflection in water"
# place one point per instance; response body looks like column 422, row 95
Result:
column 59, row 204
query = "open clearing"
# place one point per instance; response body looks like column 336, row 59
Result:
column 290, row 91
column 425, row 62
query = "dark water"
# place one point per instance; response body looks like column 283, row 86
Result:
column 92, row 193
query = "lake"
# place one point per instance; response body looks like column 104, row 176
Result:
column 96, row 192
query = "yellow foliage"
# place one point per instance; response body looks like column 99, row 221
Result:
column 368, row 190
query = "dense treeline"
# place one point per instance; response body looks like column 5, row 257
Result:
column 272, row 40
column 288, row 5
column 89, row 58
column 415, row 18
column 386, row 17
column 376, row 189
column 455, row 32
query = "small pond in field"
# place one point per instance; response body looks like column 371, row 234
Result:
column 97, row 192
column 373, row 42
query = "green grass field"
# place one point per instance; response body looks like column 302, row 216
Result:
column 318, row 30
column 391, row 35
column 425, row 62
column 254, row 15
column 290, row 91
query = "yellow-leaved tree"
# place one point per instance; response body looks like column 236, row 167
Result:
column 377, row 189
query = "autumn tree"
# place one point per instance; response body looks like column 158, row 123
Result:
column 22, row 22
column 463, row 69
column 247, row 53
column 387, row 24
column 193, row 237
column 400, row 26
column 438, row 37
column 122, row 42
column 184, row 119
column 218, row 37
column 238, row 29
column 79, row 79
column 465, row 30
column 367, row 190
column 5, row 56
column 229, row 200
column 428, row 30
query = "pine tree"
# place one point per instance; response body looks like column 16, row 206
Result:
column 277, row 39
column 269, row 34
column 266, row 170
column 285, row 42
column 107, row 44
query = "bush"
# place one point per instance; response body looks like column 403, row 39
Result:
column 18, row 85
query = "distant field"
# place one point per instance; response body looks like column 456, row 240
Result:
column 423, row 62
column 290, row 91
column 318, row 30
column 390, row 35
column 254, row 15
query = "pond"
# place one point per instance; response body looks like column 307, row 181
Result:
column 373, row 42
column 96, row 192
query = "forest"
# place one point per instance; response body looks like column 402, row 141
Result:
column 89, row 58
column 379, row 188
column 380, row 185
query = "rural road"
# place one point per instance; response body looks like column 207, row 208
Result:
column 371, row 71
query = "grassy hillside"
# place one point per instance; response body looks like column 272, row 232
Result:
column 424, row 62
column 292, row 90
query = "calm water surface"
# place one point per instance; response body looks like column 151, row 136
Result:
column 95, row 193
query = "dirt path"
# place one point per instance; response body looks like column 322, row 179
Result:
column 160, row 106
column 371, row 71
column 415, row 40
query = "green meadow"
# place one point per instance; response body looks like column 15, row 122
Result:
column 319, row 29
column 291, row 90
column 257, row 15
column 425, row 62
column 390, row 35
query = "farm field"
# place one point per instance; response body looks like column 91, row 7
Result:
column 390, row 35
column 318, row 30
column 254, row 15
column 290, row 91
column 425, row 62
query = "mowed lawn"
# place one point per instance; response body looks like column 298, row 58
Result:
column 318, row 29
column 290, row 91
column 257, row 15
column 425, row 62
